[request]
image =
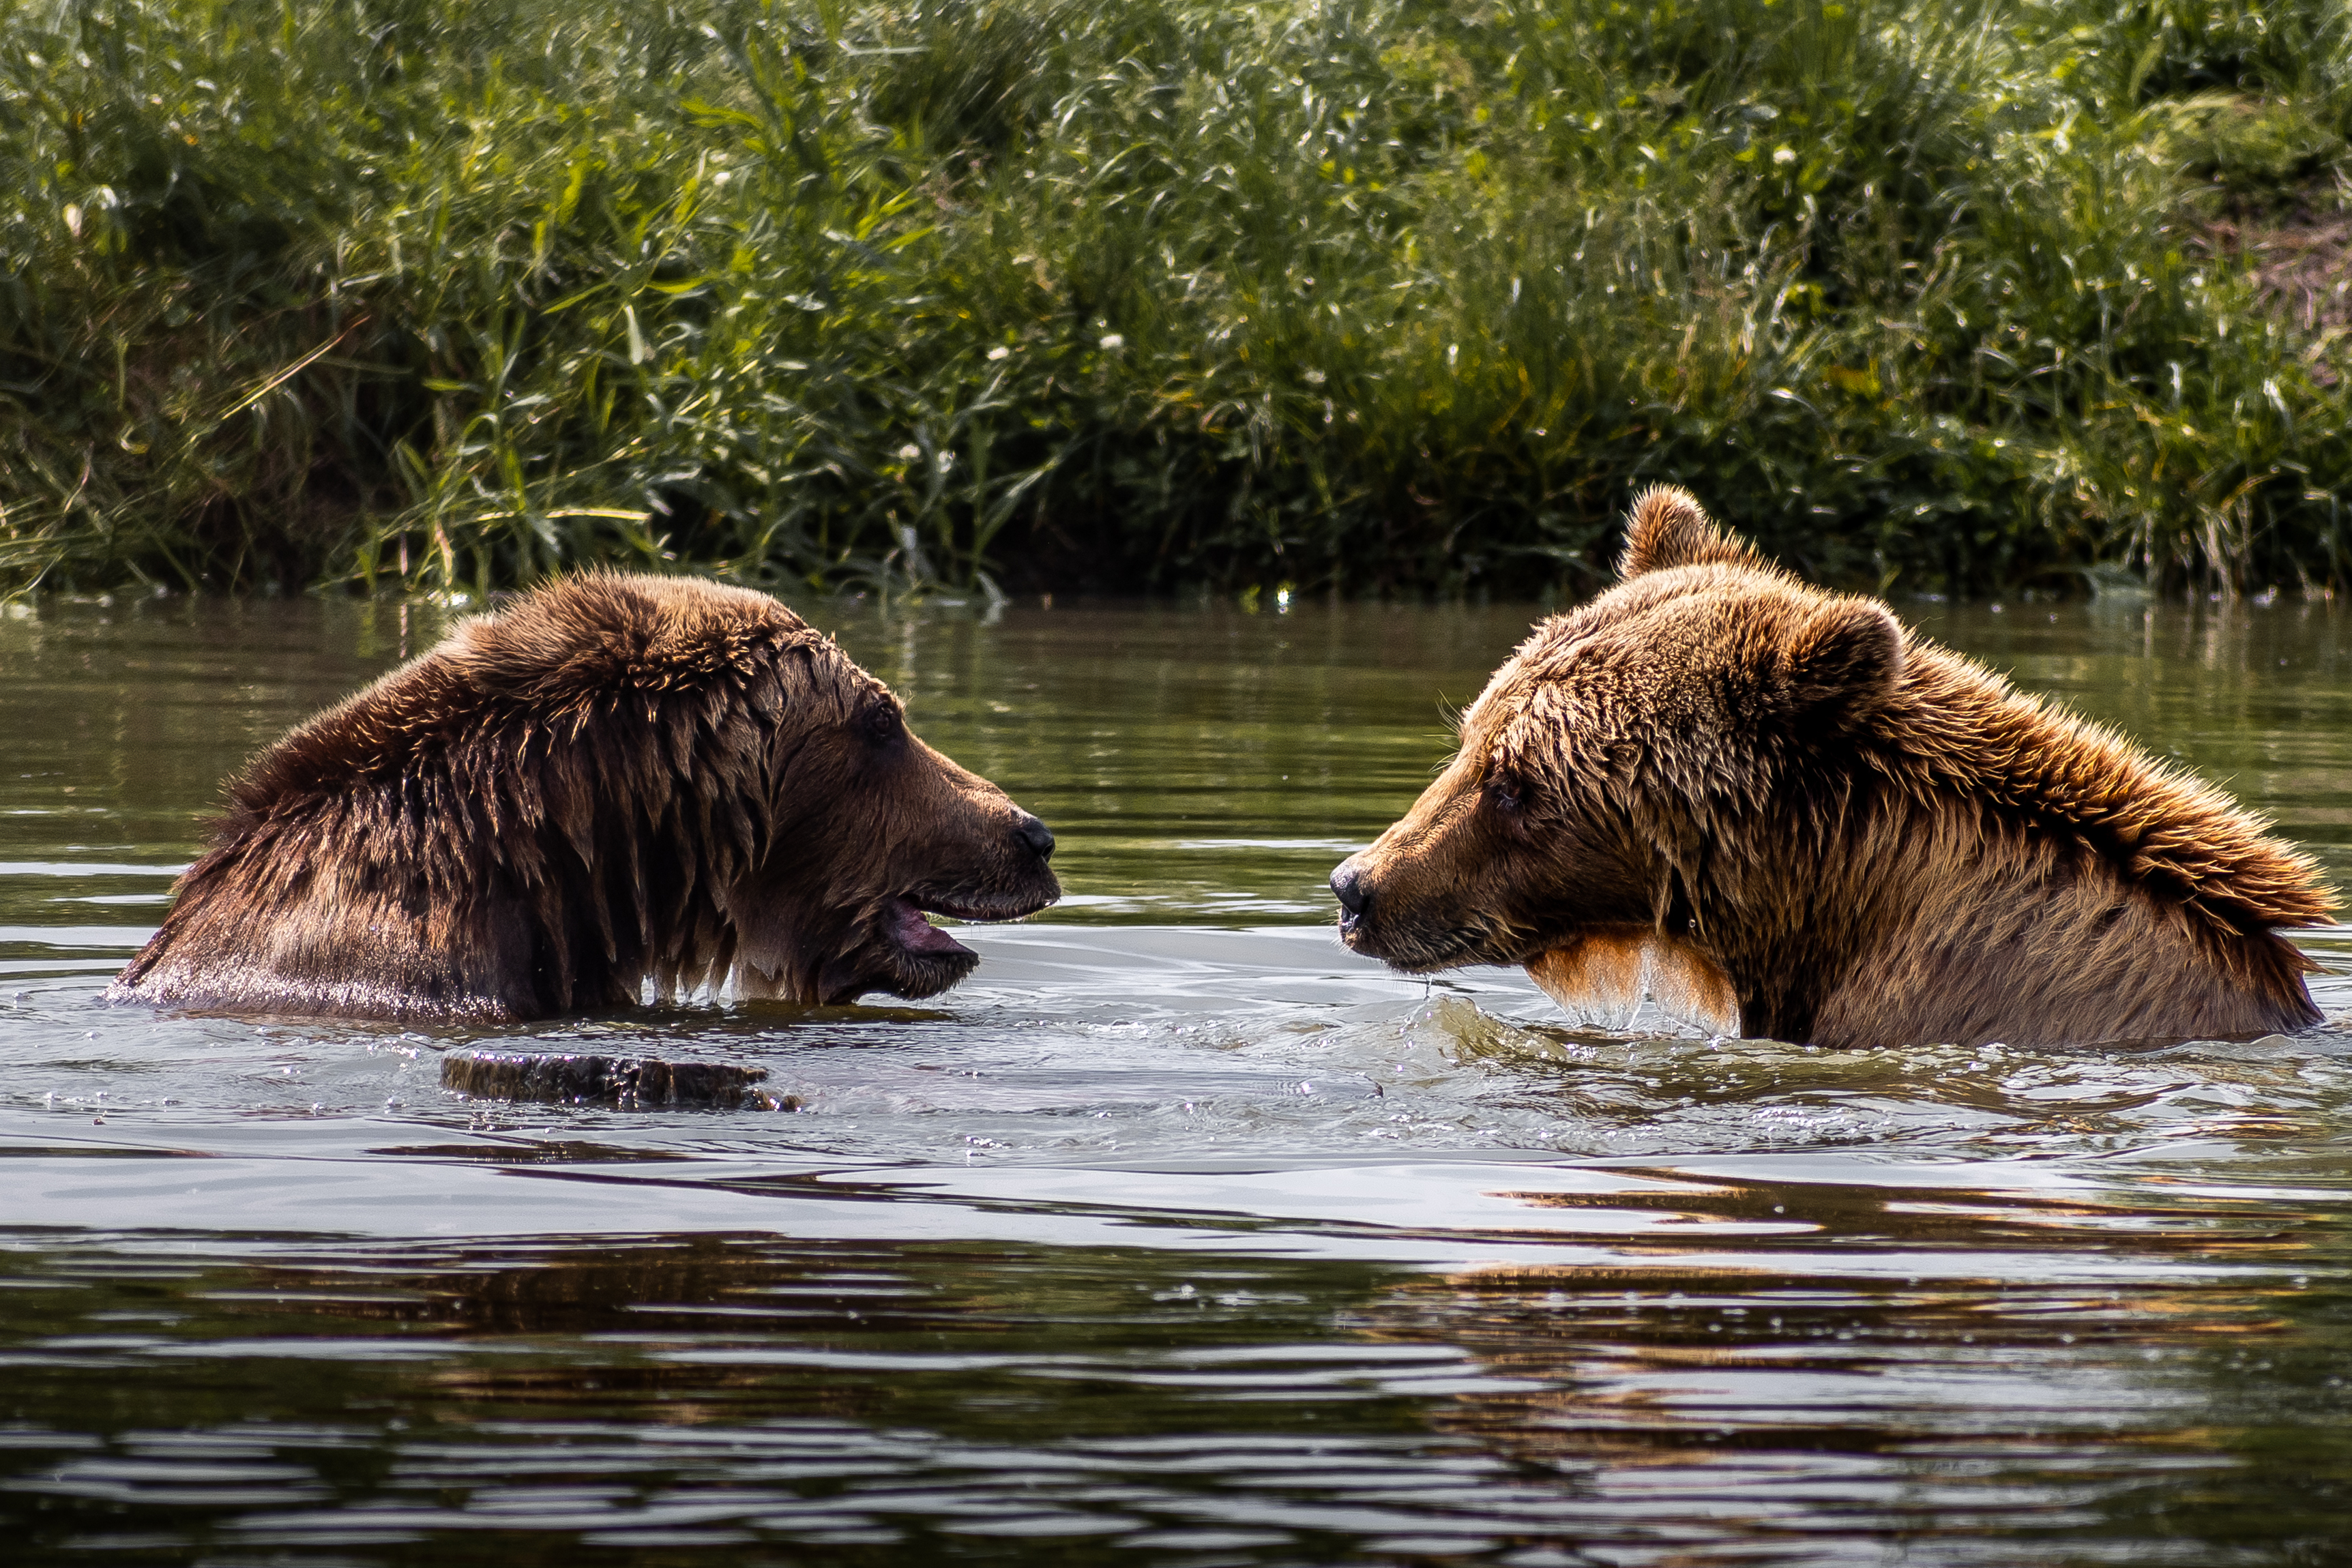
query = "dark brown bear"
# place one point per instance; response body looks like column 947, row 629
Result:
column 616, row 780
column 1776, row 807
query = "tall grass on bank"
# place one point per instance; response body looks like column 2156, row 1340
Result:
column 1383, row 295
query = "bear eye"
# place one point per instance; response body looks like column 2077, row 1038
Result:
column 1506, row 792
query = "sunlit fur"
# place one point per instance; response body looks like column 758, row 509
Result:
column 1870, row 839
column 616, row 780
column 1603, row 976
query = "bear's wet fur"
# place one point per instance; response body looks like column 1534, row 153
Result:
column 614, row 780
column 1824, row 828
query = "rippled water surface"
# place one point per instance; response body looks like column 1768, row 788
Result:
column 1178, row 1235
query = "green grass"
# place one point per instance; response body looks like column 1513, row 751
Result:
column 1135, row 294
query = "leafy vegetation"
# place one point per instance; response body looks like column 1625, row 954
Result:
column 1376, row 295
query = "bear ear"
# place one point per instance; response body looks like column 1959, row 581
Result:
column 1667, row 528
column 1847, row 655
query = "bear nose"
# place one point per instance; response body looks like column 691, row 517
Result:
column 1348, row 887
column 1037, row 835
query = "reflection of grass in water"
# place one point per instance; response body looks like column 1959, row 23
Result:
column 1136, row 291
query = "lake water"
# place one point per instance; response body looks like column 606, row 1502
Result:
column 1178, row 1235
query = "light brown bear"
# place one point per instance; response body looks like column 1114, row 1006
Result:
column 1788, row 817
column 616, row 780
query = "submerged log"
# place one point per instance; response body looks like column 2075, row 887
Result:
column 627, row 1084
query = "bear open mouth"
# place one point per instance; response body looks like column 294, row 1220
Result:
column 906, row 955
column 903, row 919
column 913, row 934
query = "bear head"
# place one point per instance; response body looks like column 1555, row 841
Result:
column 871, row 830
column 1591, row 765
column 734, row 775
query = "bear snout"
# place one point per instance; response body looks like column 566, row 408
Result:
column 1355, row 898
column 1033, row 833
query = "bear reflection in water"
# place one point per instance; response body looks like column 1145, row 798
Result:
column 616, row 780
column 1776, row 811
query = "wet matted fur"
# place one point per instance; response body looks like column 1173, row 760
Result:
column 1814, row 825
column 615, row 779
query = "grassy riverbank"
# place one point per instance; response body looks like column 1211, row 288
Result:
column 1136, row 293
